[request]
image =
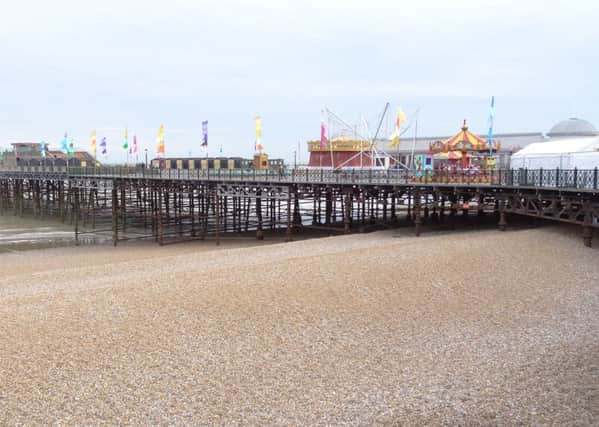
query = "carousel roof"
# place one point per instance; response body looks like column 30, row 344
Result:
column 466, row 139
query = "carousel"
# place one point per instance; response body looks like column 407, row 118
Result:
column 464, row 157
column 463, row 151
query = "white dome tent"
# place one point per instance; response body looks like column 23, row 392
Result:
column 573, row 144
column 571, row 153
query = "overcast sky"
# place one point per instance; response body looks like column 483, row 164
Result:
column 77, row 66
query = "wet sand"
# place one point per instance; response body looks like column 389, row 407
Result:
column 476, row 327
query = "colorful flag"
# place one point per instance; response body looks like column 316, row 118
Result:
column 491, row 119
column 205, row 134
column 126, row 140
column 399, row 119
column 259, row 146
column 323, row 132
column 94, row 145
column 64, row 144
column 104, row 147
column 160, row 141
column 43, row 148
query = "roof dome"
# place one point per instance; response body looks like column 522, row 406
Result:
column 573, row 127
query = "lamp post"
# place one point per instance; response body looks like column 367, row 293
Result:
column 294, row 159
column 146, row 150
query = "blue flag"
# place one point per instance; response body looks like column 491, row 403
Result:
column 64, row 144
column 103, row 146
column 491, row 118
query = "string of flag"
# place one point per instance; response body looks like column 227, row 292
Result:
column 67, row 144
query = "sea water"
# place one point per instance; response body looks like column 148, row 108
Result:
column 28, row 233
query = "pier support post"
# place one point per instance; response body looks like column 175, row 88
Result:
column 289, row 231
column 385, row 200
column 328, row 209
column 297, row 215
column 409, row 214
column 417, row 217
column 61, row 200
column 93, row 198
column 115, row 209
column 205, row 211
column 502, row 221
column 363, row 200
column 259, row 231
column 441, row 209
column 587, row 236
column 480, row 213
column 587, row 233
column 217, row 212
column 192, row 211
column 124, row 207
column 314, row 206
column 453, row 212
column 77, row 217
column 159, row 216
column 347, row 213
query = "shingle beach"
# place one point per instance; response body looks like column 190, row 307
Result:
column 466, row 328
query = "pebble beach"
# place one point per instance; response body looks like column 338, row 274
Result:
column 467, row 328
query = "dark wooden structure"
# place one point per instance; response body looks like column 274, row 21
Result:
column 181, row 204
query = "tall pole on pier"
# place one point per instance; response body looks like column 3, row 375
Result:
column 414, row 144
column 330, row 140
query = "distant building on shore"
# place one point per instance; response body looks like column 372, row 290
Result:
column 30, row 154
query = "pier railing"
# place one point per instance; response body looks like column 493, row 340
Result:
column 576, row 179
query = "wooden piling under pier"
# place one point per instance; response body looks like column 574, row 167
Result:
column 169, row 210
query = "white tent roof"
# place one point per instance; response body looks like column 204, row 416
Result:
column 560, row 146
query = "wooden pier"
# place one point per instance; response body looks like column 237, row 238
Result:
column 175, row 205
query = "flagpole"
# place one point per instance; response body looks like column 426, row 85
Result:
column 491, row 119
column 413, row 143
column 330, row 138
